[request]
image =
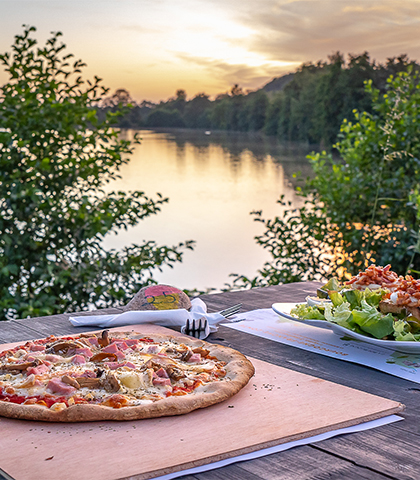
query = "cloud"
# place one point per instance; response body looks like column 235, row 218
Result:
column 305, row 30
column 248, row 77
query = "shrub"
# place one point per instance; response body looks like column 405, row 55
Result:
column 55, row 158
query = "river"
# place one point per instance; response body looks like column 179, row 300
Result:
column 213, row 180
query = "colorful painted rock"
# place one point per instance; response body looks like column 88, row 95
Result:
column 159, row 297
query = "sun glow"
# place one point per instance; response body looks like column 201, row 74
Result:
column 152, row 48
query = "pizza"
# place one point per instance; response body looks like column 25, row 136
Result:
column 114, row 375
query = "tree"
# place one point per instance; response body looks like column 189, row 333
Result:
column 258, row 110
column 196, row 111
column 360, row 208
column 165, row 117
column 121, row 101
column 55, row 159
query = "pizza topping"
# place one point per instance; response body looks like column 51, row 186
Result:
column 85, row 351
column 88, row 382
column 78, row 359
column 110, row 383
column 103, row 356
column 186, row 355
column 202, row 351
column 18, row 366
column 64, row 348
column 115, row 365
column 36, row 348
column 38, row 370
column 57, row 407
column 56, row 385
column 93, row 341
column 160, row 380
column 70, row 381
column 194, row 358
column 29, row 382
column 175, row 373
column 54, row 358
column 162, row 373
column 104, row 341
column 116, row 401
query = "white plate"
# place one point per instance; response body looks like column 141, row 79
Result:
column 313, row 301
column 405, row 347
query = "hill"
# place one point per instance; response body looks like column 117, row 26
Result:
column 278, row 83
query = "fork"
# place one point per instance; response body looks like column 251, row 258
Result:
column 194, row 330
column 228, row 312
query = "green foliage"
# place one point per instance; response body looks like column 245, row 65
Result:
column 164, row 117
column 360, row 208
column 55, row 158
column 196, row 111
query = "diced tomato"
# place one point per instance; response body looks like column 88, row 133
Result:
column 185, row 389
column 46, row 400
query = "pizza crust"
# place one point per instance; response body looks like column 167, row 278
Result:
column 238, row 369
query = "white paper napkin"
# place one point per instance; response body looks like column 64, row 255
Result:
column 165, row 318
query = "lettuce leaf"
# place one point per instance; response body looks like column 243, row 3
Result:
column 371, row 321
column 336, row 298
column 373, row 297
column 306, row 312
column 402, row 332
column 333, row 284
column 354, row 297
column 339, row 315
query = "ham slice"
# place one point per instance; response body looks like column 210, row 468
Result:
column 195, row 358
column 78, row 360
column 39, row 370
column 161, row 381
column 86, row 352
column 55, row 385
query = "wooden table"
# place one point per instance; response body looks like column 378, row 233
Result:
column 388, row 452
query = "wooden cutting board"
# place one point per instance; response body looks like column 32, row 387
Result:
column 277, row 406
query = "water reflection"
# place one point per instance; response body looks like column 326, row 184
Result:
column 213, row 182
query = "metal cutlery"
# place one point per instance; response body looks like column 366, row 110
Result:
column 194, row 329
column 228, row 312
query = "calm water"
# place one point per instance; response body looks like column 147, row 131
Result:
column 213, row 183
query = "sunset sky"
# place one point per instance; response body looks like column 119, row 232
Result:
column 154, row 47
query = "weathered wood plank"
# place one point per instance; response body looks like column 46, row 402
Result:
column 395, row 453
column 299, row 463
column 11, row 331
column 60, row 324
column 261, row 297
column 307, row 463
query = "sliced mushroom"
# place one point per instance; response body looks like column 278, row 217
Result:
column 202, row 351
column 158, row 361
column 104, row 341
column 70, row 381
column 102, row 356
column 110, row 383
column 63, row 348
column 89, row 382
column 175, row 373
column 186, row 355
column 18, row 366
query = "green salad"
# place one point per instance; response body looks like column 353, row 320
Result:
column 359, row 311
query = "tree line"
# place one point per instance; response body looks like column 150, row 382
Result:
column 307, row 106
